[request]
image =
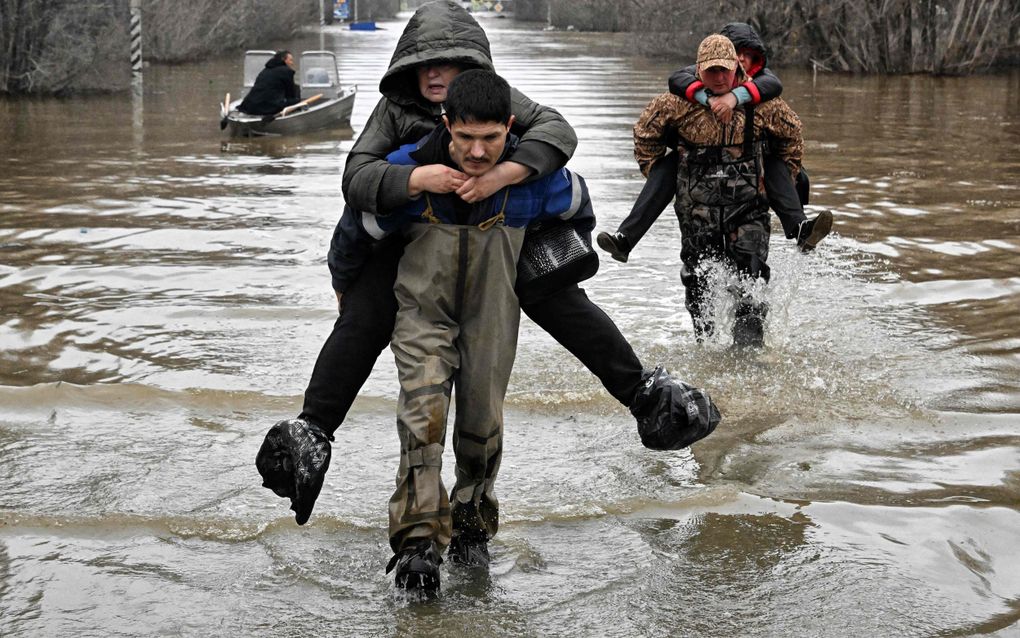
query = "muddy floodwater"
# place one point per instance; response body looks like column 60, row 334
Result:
column 164, row 293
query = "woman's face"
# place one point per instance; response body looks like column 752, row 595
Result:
column 434, row 79
column 750, row 60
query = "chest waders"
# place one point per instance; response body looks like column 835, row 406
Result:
column 456, row 326
column 724, row 215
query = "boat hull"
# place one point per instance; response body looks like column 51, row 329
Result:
column 332, row 113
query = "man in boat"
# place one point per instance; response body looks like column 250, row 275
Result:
column 786, row 196
column 720, row 194
column 296, row 453
column 274, row 88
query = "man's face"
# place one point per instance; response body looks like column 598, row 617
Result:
column 433, row 80
column 718, row 79
column 476, row 146
column 289, row 60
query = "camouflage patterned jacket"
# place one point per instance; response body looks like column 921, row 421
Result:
column 667, row 116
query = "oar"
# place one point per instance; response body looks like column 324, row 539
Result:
column 224, row 111
column 293, row 107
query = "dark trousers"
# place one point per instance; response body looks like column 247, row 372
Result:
column 588, row 333
column 657, row 193
column 365, row 325
column 784, row 194
column 785, row 197
column 360, row 333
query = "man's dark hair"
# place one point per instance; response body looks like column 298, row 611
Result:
column 281, row 55
column 478, row 96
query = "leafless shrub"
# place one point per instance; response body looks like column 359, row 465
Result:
column 531, row 10
column 950, row 36
column 50, row 47
column 883, row 36
column 591, row 15
column 193, row 29
column 184, row 30
column 675, row 29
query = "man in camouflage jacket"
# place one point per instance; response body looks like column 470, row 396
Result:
column 721, row 202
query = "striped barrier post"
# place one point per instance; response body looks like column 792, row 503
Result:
column 137, row 93
column 136, row 39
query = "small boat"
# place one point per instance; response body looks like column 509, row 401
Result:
column 329, row 105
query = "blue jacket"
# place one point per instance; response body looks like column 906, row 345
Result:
column 559, row 195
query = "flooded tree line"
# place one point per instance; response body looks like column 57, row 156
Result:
column 876, row 36
column 53, row 46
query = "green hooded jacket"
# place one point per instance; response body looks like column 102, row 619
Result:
column 439, row 32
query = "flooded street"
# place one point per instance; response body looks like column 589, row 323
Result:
column 164, row 294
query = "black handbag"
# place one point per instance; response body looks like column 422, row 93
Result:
column 554, row 255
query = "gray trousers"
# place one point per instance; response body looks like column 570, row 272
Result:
column 456, row 327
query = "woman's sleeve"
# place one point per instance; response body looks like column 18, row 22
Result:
column 547, row 141
column 370, row 183
column 685, row 83
column 764, row 87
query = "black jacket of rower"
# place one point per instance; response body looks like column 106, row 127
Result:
column 273, row 91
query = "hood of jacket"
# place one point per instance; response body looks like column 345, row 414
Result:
column 744, row 36
column 440, row 31
column 274, row 62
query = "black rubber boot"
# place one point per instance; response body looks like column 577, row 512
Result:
column 470, row 550
column 694, row 301
column 417, row 569
column 615, row 244
column 749, row 325
column 813, row 231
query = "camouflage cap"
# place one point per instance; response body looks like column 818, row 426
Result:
column 717, row 50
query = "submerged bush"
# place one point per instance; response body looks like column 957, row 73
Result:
column 883, row 36
column 185, row 30
column 52, row 46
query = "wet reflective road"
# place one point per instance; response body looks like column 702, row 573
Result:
column 163, row 296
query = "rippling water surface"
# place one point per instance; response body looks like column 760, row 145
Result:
column 163, row 295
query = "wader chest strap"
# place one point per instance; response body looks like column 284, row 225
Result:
column 748, row 129
column 428, row 214
column 498, row 217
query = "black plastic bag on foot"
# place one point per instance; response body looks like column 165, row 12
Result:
column 293, row 461
column 672, row 414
